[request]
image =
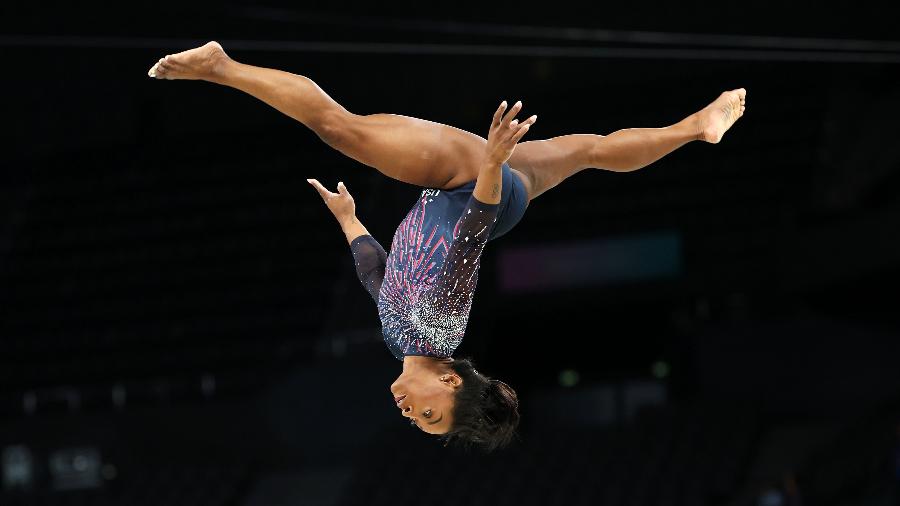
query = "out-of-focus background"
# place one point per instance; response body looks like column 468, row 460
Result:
column 181, row 323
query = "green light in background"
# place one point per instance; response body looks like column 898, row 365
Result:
column 568, row 377
column 660, row 369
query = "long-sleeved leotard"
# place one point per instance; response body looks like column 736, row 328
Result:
column 425, row 287
column 370, row 261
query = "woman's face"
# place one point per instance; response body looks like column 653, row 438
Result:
column 426, row 398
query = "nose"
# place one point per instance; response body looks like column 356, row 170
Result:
column 405, row 408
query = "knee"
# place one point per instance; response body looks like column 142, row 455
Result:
column 333, row 127
column 596, row 153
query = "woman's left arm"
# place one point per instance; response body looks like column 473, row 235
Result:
column 474, row 226
column 504, row 134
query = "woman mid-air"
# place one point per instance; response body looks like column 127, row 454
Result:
column 476, row 191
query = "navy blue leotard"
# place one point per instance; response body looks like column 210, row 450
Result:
column 424, row 288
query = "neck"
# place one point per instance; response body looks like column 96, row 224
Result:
column 416, row 362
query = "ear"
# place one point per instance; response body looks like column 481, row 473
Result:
column 451, row 379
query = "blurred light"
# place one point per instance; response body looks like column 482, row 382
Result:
column 828, row 54
column 771, row 497
column 637, row 395
column 568, row 377
column 18, row 467
column 75, row 468
column 602, row 261
column 660, row 369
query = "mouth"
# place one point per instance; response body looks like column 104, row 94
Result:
column 399, row 398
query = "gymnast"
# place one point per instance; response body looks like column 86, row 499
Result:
column 475, row 190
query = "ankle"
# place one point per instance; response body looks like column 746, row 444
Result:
column 692, row 127
column 220, row 68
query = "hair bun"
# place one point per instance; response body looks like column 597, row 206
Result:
column 504, row 392
column 485, row 411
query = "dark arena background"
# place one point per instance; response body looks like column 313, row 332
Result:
column 181, row 322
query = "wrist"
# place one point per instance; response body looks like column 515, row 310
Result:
column 347, row 221
column 491, row 164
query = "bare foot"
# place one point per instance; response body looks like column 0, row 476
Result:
column 716, row 118
column 198, row 63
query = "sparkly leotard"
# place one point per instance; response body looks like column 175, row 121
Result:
column 425, row 287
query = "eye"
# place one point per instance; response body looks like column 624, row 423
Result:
column 427, row 413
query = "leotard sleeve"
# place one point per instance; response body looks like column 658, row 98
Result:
column 370, row 260
column 459, row 275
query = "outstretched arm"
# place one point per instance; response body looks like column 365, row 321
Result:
column 369, row 256
column 504, row 134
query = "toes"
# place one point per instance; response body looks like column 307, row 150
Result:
column 163, row 70
column 162, row 67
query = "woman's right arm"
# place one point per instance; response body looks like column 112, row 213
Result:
column 369, row 256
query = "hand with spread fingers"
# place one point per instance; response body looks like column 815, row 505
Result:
column 343, row 208
column 340, row 204
column 505, row 133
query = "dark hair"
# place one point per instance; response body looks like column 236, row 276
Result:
column 485, row 410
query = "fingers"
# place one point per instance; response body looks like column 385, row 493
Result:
column 498, row 114
column 343, row 189
column 507, row 120
column 523, row 128
column 324, row 193
column 520, row 133
column 506, row 128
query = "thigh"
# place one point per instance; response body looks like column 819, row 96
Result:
column 546, row 163
column 413, row 150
